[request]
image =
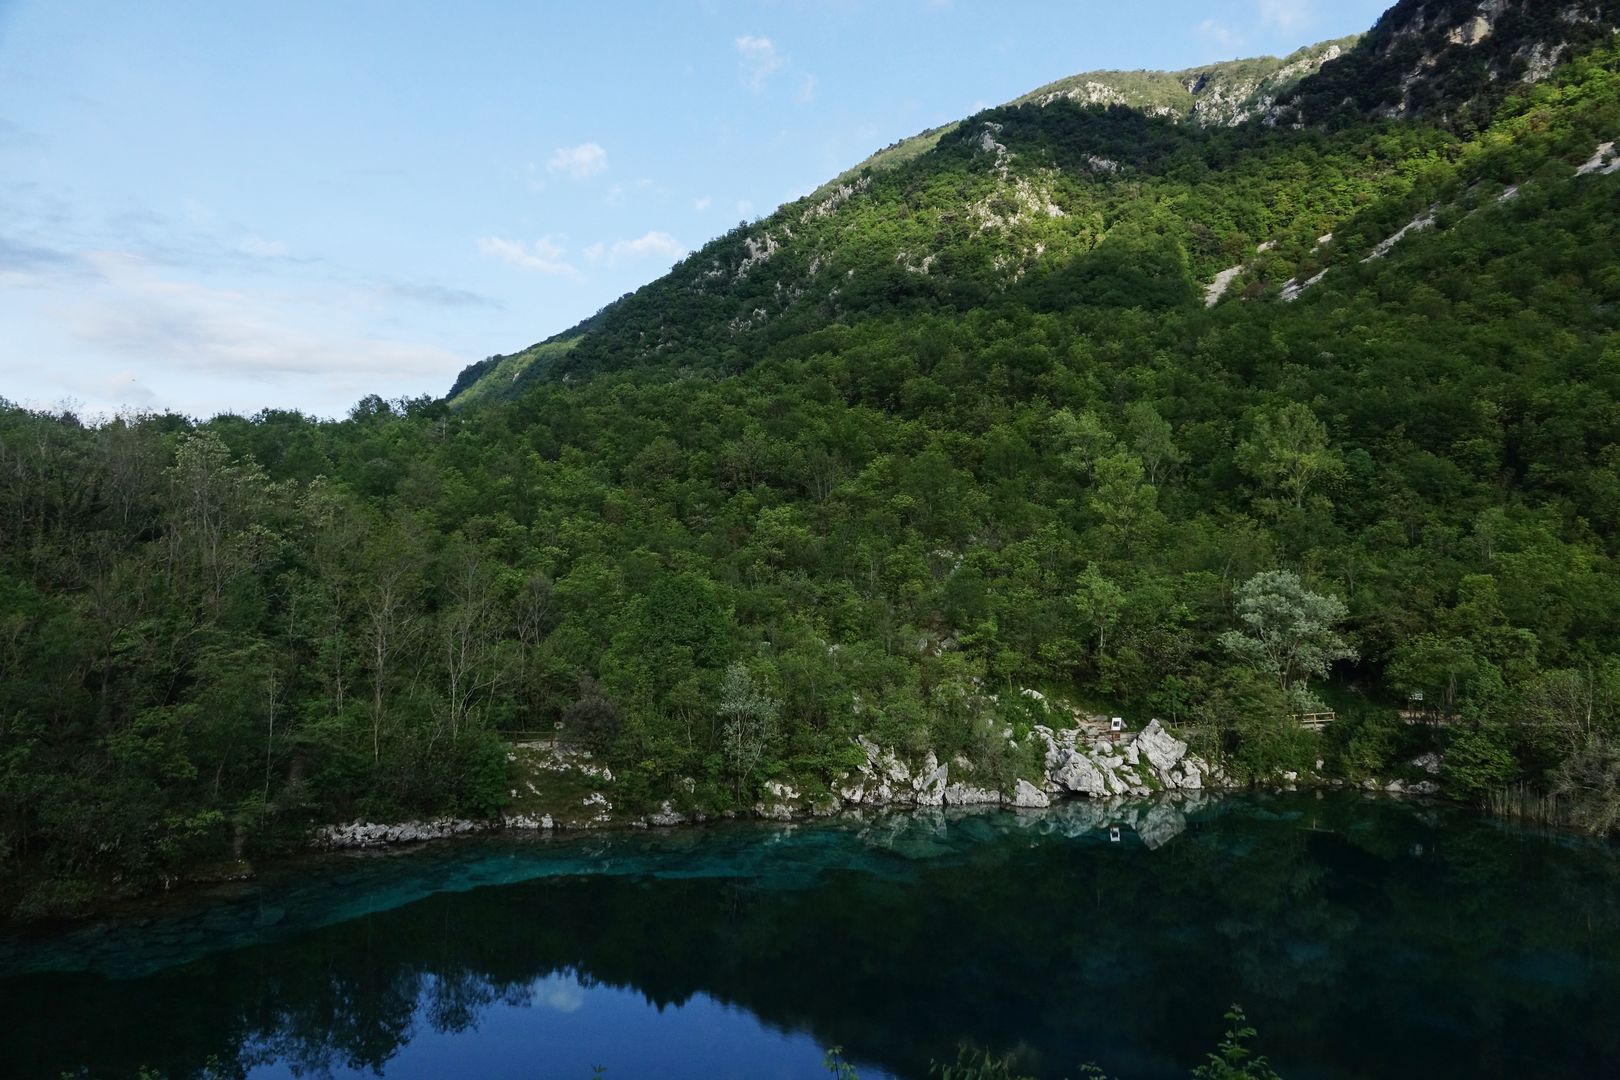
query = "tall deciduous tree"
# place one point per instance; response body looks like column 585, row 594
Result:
column 1288, row 631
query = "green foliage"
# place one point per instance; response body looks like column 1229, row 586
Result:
column 1478, row 760
column 1039, row 460
column 750, row 729
column 1288, row 632
column 1234, row 1059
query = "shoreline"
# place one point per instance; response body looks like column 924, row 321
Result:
column 1087, row 761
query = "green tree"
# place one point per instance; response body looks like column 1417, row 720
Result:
column 1288, row 452
column 1288, row 632
column 750, row 728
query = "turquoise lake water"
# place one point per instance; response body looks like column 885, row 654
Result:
column 1365, row 937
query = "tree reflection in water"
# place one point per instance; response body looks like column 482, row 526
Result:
column 1364, row 937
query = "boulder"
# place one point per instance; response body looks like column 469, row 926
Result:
column 1429, row 763
column 960, row 794
column 930, row 783
column 1051, row 750
column 1080, row 775
column 776, row 811
column 667, row 815
column 1159, row 746
column 1028, row 796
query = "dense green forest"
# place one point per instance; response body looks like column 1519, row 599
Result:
column 891, row 499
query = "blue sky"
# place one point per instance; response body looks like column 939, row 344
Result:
column 224, row 207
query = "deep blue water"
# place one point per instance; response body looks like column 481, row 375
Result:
column 1365, row 937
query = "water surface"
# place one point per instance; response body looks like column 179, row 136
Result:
column 1366, row 937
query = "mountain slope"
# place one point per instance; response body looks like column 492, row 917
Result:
column 968, row 426
column 1034, row 197
column 1214, row 95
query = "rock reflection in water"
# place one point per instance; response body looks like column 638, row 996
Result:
column 896, row 936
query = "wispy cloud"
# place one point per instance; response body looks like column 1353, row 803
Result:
column 559, row 993
column 259, row 247
column 443, row 296
column 807, row 90
column 1222, row 37
column 618, row 194
column 140, row 313
column 16, row 135
column 21, row 260
column 654, row 243
column 579, row 162
column 545, row 255
column 703, row 203
column 759, row 59
column 651, row 243
column 1285, row 14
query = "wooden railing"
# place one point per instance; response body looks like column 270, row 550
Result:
column 1316, row 721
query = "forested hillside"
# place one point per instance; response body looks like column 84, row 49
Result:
column 975, row 421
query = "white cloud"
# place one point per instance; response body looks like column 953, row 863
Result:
column 136, row 312
column 545, row 255
column 262, row 248
column 560, row 993
column 580, row 162
column 745, row 209
column 703, row 203
column 651, row 243
column 807, row 90
column 617, row 194
column 1285, row 14
column 654, row 243
column 124, row 387
column 1220, row 36
column 759, row 59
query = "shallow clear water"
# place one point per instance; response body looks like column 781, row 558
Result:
column 1366, row 937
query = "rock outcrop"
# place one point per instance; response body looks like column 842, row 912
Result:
column 363, row 834
column 1084, row 760
column 1027, row 796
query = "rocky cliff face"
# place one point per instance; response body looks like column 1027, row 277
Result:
column 1214, row 95
column 1448, row 60
column 1082, row 761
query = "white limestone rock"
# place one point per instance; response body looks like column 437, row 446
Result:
column 1028, row 796
column 1081, row 775
column 1162, row 749
column 960, row 794
column 931, row 782
column 1429, row 763
column 667, row 815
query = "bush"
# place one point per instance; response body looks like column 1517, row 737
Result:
column 1478, row 761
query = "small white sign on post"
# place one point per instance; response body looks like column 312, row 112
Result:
column 1117, row 724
